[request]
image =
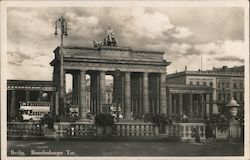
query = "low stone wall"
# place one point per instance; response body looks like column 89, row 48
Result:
column 176, row 131
column 24, row 129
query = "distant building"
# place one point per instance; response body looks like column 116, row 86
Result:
column 226, row 82
column 27, row 90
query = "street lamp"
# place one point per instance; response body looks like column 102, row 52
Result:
column 117, row 98
column 61, row 22
column 62, row 25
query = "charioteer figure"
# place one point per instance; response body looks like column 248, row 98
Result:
column 109, row 40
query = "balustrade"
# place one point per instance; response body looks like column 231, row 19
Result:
column 134, row 129
column 21, row 129
column 77, row 129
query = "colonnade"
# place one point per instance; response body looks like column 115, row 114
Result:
column 131, row 90
column 194, row 105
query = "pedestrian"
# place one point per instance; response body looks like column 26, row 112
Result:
column 207, row 131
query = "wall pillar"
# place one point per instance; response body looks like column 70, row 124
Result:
column 145, row 93
column 127, row 96
column 82, row 108
column 13, row 102
column 163, row 107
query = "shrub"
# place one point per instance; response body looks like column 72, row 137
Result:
column 104, row 119
column 49, row 120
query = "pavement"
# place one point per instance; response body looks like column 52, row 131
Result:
column 121, row 148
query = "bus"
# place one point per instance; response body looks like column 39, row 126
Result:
column 33, row 110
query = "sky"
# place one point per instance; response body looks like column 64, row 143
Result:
column 185, row 34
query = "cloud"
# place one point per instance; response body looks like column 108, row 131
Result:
column 83, row 26
column 137, row 22
column 182, row 32
column 172, row 30
column 222, row 48
column 17, row 57
column 229, row 59
column 176, row 48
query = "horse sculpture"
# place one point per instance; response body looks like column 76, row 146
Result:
column 109, row 40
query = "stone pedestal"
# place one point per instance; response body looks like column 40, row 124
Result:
column 234, row 130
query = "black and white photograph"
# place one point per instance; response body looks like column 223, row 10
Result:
column 125, row 79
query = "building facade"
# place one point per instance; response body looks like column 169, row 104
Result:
column 26, row 90
column 225, row 82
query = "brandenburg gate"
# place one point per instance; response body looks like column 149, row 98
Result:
column 141, row 73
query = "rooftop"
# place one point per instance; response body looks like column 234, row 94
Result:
column 237, row 71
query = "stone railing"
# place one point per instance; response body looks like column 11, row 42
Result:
column 75, row 129
column 23, row 129
column 184, row 130
column 134, row 129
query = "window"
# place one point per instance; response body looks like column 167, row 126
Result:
column 223, row 96
column 191, row 82
column 241, row 86
column 204, row 83
column 235, row 85
column 227, row 85
column 219, row 96
column 211, row 84
column 198, row 83
column 235, row 95
column 228, row 96
column 241, row 96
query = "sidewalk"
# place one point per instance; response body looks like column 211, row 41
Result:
column 126, row 148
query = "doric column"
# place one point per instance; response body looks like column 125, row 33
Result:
column 163, row 107
column 202, row 106
column 170, row 103
column 75, row 91
column 191, row 104
column 82, row 109
column 181, row 103
column 102, row 89
column 145, row 93
column 175, row 103
column 40, row 96
column 27, row 95
column 210, row 104
column 207, row 105
column 158, row 94
column 13, row 102
column 123, row 94
column 127, row 96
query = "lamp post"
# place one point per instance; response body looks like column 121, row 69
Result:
column 117, row 96
column 61, row 24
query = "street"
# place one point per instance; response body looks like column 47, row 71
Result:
column 120, row 148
